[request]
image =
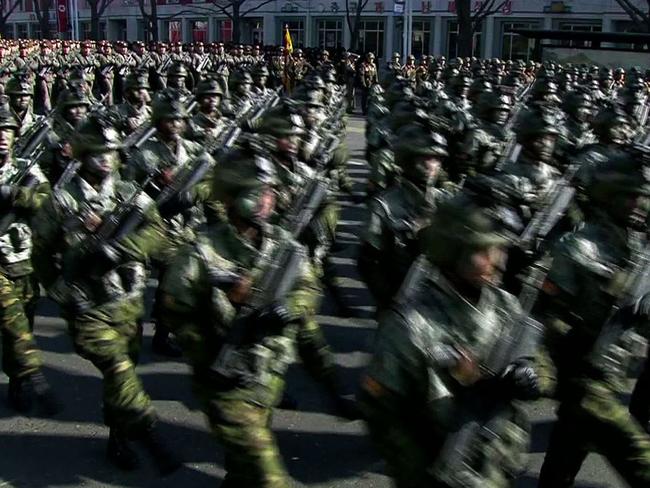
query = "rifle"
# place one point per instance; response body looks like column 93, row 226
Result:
column 162, row 70
column 555, row 206
column 34, row 137
column 126, row 65
column 519, row 340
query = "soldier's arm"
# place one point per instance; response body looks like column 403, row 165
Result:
column 369, row 262
column 32, row 198
column 148, row 240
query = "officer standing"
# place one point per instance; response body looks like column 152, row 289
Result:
column 368, row 78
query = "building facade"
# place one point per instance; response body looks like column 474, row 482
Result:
column 323, row 23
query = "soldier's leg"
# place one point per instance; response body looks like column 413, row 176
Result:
column 251, row 454
column 127, row 407
column 32, row 294
column 20, row 356
column 565, row 453
column 640, row 401
column 617, row 436
column 162, row 342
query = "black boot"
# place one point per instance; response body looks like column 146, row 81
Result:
column 30, row 390
column 120, row 453
column 20, row 395
column 163, row 345
column 166, row 461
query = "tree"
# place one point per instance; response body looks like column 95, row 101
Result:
column 635, row 10
column 97, row 9
column 8, row 7
column 469, row 21
column 150, row 18
column 42, row 11
column 354, row 21
column 235, row 11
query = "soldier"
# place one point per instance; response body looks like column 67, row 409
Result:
column 394, row 66
column 409, row 70
column 241, row 100
column 260, row 75
column 217, row 273
column 207, row 124
column 297, row 69
column 278, row 64
column 45, row 66
column 20, row 92
column 72, row 109
column 486, row 144
column 100, row 286
column 578, row 106
column 368, row 78
column 389, row 244
column 350, row 81
column 585, row 285
column 177, row 76
column 161, row 157
column 430, row 373
column 23, row 188
column 106, row 73
column 135, row 111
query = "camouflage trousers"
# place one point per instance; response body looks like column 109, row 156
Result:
column 20, row 356
column 252, row 458
column 109, row 336
column 596, row 421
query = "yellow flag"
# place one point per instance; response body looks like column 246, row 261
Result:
column 288, row 43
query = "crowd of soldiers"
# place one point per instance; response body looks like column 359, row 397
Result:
column 505, row 247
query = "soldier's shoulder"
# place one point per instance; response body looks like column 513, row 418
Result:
column 585, row 248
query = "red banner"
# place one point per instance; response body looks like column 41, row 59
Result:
column 62, row 15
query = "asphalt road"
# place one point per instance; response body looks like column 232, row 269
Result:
column 319, row 450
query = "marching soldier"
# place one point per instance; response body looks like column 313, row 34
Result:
column 135, row 111
column 368, row 78
column 20, row 92
column 23, row 188
column 100, row 286
column 431, row 374
column 207, row 124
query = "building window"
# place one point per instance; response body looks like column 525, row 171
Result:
column 515, row 46
column 452, row 40
column 175, row 31
column 199, row 30
column 421, row 38
column 579, row 27
column 9, row 31
column 371, row 37
column 330, row 35
column 297, row 31
column 85, row 30
column 225, row 31
column 21, row 31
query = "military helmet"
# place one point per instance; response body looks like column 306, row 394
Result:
column 575, row 99
column 460, row 226
column 278, row 124
column 208, row 86
column 96, row 135
column 329, row 76
column 533, row 124
column 73, row 96
column 167, row 105
column 461, row 81
column 625, row 173
column 260, row 70
column 241, row 77
column 177, row 70
column 609, row 117
column 416, row 140
column 489, row 101
column 136, row 81
column 240, row 175
column 312, row 98
column 7, row 119
column 19, row 85
column 395, row 56
column 315, row 81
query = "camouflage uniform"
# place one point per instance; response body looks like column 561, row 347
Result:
column 367, row 78
column 17, row 89
column 585, row 282
column 207, row 124
column 100, row 287
column 389, row 243
column 203, row 314
column 21, row 361
column 414, row 393
column 135, row 111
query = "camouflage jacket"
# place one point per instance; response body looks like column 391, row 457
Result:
column 482, row 148
column 130, row 117
column 396, row 216
column 201, row 314
column 407, row 389
column 59, row 152
column 61, row 229
column 16, row 243
column 203, row 128
column 586, row 279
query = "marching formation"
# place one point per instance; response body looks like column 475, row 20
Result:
column 505, row 247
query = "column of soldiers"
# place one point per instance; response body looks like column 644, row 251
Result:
column 507, row 252
column 217, row 182
column 506, row 247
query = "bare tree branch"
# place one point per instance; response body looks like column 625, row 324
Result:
column 224, row 10
column 10, row 10
column 486, row 9
column 637, row 16
column 253, row 9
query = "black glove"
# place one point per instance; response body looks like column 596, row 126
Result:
column 520, row 381
column 177, row 204
column 273, row 318
column 7, row 194
column 222, row 279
